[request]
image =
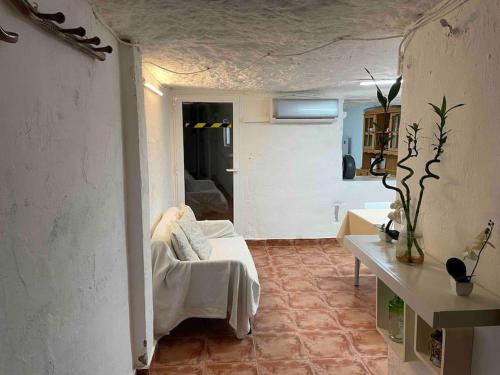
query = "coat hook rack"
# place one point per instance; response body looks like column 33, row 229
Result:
column 8, row 36
column 73, row 36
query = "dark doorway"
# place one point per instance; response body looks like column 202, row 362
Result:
column 208, row 159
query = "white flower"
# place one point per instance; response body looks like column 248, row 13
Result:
column 395, row 216
column 473, row 249
column 396, row 205
column 470, row 253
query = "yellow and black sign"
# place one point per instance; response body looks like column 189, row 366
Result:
column 206, row 125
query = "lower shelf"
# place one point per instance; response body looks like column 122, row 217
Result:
column 398, row 348
column 456, row 353
column 422, row 347
column 403, row 350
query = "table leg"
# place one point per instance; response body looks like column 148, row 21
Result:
column 356, row 271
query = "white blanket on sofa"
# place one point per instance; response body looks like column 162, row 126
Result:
column 226, row 285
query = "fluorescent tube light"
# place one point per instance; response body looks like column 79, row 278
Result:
column 153, row 88
column 380, row 82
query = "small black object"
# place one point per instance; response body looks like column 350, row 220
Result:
column 56, row 17
column 348, row 167
column 80, row 31
column 437, row 335
column 107, row 49
column 394, row 234
column 95, row 41
column 456, row 268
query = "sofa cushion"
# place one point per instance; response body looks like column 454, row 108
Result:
column 197, row 239
column 234, row 249
column 181, row 244
column 163, row 230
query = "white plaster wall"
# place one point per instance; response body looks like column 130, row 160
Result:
column 137, row 204
column 63, row 275
column 466, row 68
column 159, row 134
column 291, row 176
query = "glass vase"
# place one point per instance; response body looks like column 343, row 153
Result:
column 409, row 248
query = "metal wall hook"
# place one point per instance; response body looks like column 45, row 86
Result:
column 8, row 36
column 95, row 40
column 73, row 36
column 56, row 17
column 80, row 31
column 32, row 11
column 107, row 49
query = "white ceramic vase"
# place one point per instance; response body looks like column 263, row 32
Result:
column 461, row 289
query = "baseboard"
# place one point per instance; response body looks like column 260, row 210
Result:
column 292, row 242
column 146, row 370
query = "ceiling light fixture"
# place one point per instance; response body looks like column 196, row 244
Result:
column 381, row 82
column 153, row 88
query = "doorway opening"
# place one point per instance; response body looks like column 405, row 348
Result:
column 208, row 159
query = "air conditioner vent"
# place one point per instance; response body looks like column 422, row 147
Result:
column 303, row 111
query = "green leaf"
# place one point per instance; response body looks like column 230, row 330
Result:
column 443, row 105
column 382, row 99
column 393, row 92
column 455, row 106
column 436, row 109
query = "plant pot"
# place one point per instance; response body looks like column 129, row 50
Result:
column 461, row 288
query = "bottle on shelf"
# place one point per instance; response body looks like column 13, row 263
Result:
column 396, row 319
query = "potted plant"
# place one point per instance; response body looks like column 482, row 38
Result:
column 409, row 249
column 461, row 283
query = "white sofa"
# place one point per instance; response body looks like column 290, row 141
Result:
column 225, row 285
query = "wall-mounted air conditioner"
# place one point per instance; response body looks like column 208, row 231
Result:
column 304, row 111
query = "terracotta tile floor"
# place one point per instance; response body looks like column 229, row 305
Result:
column 311, row 320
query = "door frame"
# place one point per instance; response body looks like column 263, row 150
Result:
column 178, row 146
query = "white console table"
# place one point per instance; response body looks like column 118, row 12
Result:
column 362, row 221
column 429, row 304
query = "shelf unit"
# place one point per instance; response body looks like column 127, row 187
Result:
column 405, row 349
column 429, row 304
column 371, row 134
column 457, row 346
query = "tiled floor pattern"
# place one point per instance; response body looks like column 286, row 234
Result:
column 311, row 320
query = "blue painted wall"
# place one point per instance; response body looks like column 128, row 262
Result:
column 353, row 127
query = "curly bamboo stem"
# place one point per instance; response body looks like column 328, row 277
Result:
column 428, row 173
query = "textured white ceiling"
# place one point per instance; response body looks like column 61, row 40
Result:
column 227, row 36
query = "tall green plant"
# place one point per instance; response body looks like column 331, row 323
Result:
column 411, row 140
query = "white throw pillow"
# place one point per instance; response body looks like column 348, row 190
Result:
column 163, row 230
column 181, row 244
column 191, row 228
